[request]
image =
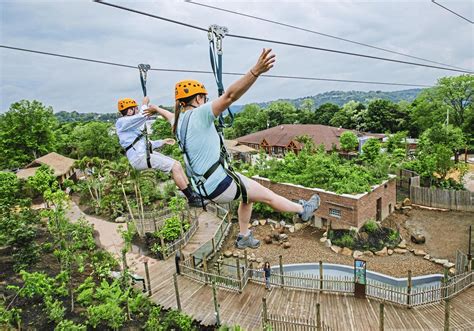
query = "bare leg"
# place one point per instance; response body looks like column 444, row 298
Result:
column 179, row 176
column 244, row 212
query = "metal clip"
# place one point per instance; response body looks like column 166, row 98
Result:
column 143, row 68
column 217, row 33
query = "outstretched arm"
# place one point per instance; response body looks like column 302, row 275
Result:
column 152, row 110
column 238, row 88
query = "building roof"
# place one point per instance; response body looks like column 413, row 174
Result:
column 59, row 163
column 283, row 135
column 234, row 147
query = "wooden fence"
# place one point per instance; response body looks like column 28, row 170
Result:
column 288, row 323
column 172, row 247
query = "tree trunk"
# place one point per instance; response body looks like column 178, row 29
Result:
column 126, row 202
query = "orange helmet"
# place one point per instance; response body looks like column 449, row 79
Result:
column 187, row 88
column 126, row 103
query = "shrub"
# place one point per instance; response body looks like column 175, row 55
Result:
column 345, row 241
column 154, row 320
column 371, row 226
column 176, row 320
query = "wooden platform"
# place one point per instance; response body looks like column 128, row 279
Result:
column 339, row 312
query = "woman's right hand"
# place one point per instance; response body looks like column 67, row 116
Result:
column 265, row 62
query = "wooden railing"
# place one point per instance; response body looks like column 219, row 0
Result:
column 171, row 248
column 289, row 323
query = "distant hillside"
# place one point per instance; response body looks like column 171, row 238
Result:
column 74, row 116
column 340, row 97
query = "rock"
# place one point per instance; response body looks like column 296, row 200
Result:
column 336, row 249
column 323, row 239
column 418, row 238
column 299, row 226
column 276, row 236
column 325, row 234
column 252, row 259
column 397, row 206
column 382, row 252
column 282, row 223
column 259, row 260
column 291, row 229
column 357, row 254
column 269, row 220
column 427, row 257
column 449, row 265
column 121, row 219
column 400, row 250
column 255, row 223
column 406, row 202
column 252, row 255
column 260, row 265
column 419, row 252
column 411, row 250
column 227, row 254
column 263, row 222
column 283, row 237
column 235, row 254
column 402, row 244
column 390, row 251
column 286, row 245
column 346, row 251
column 368, row 253
column 249, row 225
column 441, row 261
column 452, row 271
column 267, row 240
column 364, row 236
column 277, row 226
column 407, row 208
column 281, row 230
column 327, row 243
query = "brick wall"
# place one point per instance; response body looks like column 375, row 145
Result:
column 353, row 210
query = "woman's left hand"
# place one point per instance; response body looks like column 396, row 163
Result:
column 150, row 111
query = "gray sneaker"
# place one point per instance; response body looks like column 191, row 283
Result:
column 309, row 207
column 247, row 241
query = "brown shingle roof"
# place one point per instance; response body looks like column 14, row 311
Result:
column 59, row 163
column 233, row 146
column 282, row 135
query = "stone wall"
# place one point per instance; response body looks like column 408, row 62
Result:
column 343, row 210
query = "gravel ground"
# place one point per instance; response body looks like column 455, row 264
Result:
column 445, row 232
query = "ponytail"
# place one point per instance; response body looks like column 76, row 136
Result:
column 179, row 107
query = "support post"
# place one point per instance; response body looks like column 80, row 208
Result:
column 162, row 243
column 147, row 275
column 193, row 262
column 381, row 318
column 213, row 246
column 239, row 280
column 469, row 252
column 204, row 266
column 446, row 315
column 246, row 261
column 409, row 289
column 321, row 275
column 264, row 313
column 124, row 260
column 318, row 317
column 176, row 290
column 445, row 293
column 282, row 279
column 216, row 304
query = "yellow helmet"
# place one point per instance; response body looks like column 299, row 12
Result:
column 126, row 103
column 187, row 88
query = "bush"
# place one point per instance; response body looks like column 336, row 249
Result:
column 370, row 227
column 346, row 240
column 176, row 320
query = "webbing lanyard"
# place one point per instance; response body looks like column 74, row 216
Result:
column 143, row 69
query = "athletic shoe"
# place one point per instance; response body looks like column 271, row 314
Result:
column 309, row 207
column 247, row 241
column 196, row 201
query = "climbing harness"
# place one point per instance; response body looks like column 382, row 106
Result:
column 216, row 34
column 143, row 68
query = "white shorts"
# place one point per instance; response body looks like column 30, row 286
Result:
column 229, row 194
column 158, row 161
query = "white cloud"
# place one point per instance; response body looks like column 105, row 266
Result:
column 91, row 30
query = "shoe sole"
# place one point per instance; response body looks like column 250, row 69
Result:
column 252, row 247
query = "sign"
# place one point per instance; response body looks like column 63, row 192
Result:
column 360, row 278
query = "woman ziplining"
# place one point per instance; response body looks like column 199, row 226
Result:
column 204, row 154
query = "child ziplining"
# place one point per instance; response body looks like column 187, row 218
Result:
column 141, row 152
column 203, row 151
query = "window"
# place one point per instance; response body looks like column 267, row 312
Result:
column 335, row 212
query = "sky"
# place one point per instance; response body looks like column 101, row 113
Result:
column 83, row 28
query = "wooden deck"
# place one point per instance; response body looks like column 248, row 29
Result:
column 339, row 312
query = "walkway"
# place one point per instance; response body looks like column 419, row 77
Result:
column 339, row 312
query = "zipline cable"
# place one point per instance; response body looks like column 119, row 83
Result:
column 286, row 43
column 318, row 33
column 446, row 8
column 210, row 72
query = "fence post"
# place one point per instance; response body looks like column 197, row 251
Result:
column 178, row 301
column 216, row 303
column 282, row 279
column 321, row 275
column 239, row 280
column 124, row 260
column 246, row 261
column 163, row 251
column 147, row 275
column 251, row 269
column 264, row 313
column 381, row 319
column 213, row 246
column 469, row 253
column 446, row 315
column 204, row 266
column 409, row 289
column 318, row 316
column 445, row 283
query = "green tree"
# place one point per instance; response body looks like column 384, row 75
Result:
column 95, row 139
column 371, row 151
column 26, row 133
column 325, row 113
column 349, row 116
column 349, row 141
column 251, row 119
column 383, row 116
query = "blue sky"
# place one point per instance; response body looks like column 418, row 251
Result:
column 87, row 29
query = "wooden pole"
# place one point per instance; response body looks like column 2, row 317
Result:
column 213, row 246
column 409, row 288
column 446, row 315
column 264, row 313
column 162, row 242
column 124, row 260
column 178, row 301
column 381, row 318
column 321, row 275
column 318, row 316
column 469, row 253
column 445, row 282
column 239, row 280
column 246, row 261
column 147, row 275
column 193, row 262
column 282, row 279
column 204, row 265
column 216, row 303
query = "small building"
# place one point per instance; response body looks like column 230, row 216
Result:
column 62, row 166
column 279, row 140
column 240, row 152
column 344, row 211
